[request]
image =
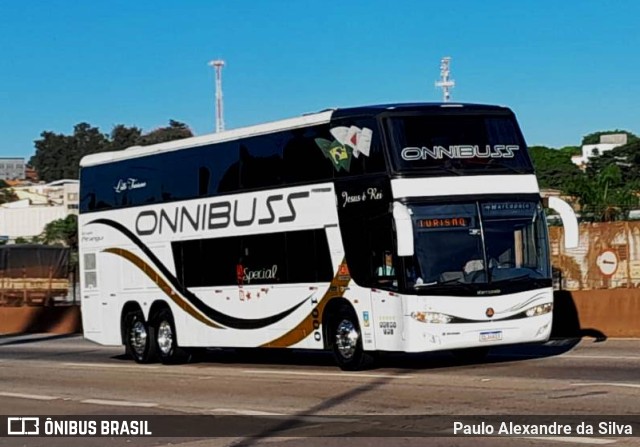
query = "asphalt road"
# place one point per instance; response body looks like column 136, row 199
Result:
column 66, row 375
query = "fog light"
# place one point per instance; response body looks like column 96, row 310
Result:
column 543, row 330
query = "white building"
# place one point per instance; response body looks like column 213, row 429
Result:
column 27, row 222
column 37, row 205
column 607, row 142
column 12, row 168
column 57, row 193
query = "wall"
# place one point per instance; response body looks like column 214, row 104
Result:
column 607, row 256
column 57, row 320
column 599, row 281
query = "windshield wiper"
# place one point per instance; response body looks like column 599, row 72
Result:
column 513, row 278
column 449, row 282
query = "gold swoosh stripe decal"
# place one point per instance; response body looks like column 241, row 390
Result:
column 162, row 284
column 339, row 282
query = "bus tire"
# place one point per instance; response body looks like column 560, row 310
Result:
column 166, row 341
column 471, row 355
column 346, row 341
column 139, row 338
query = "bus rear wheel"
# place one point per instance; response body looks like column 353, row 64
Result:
column 346, row 341
column 139, row 338
column 165, row 331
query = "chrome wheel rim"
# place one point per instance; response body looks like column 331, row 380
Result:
column 347, row 339
column 138, row 337
column 165, row 337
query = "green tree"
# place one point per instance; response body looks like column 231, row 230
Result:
column 626, row 158
column 58, row 156
column 175, row 131
column 123, row 137
column 62, row 232
column 6, row 193
column 571, row 150
column 604, row 196
column 594, row 138
column 50, row 157
column 554, row 168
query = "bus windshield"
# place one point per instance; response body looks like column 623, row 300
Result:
column 455, row 144
column 490, row 244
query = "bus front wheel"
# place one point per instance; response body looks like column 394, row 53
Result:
column 346, row 341
column 139, row 340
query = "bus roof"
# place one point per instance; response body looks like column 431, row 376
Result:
column 275, row 126
column 419, row 106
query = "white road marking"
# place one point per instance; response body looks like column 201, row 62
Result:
column 324, row 374
column 247, row 412
column 107, row 365
column 567, row 356
column 119, row 403
column 617, row 384
column 571, row 439
column 299, row 417
column 28, row 396
column 606, row 357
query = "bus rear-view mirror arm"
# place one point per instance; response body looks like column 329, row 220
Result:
column 569, row 221
column 404, row 229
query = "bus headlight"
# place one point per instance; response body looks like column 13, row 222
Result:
column 539, row 310
column 431, row 317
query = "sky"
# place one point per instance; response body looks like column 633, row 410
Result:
column 566, row 68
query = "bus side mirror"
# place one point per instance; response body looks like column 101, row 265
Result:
column 404, row 229
column 569, row 221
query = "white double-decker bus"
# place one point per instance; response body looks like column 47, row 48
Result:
column 411, row 227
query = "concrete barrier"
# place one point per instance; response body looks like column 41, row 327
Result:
column 56, row 320
column 613, row 313
column 605, row 313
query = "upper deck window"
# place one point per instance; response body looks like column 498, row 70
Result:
column 454, row 143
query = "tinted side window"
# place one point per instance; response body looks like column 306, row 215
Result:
column 304, row 160
column 365, row 146
column 207, row 262
column 261, row 161
column 177, row 173
column 223, row 160
column 125, row 183
column 366, row 242
column 308, row 257
column 288, row 157
column 295, row 257
column 263, row 259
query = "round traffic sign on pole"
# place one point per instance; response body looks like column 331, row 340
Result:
column 607, row 262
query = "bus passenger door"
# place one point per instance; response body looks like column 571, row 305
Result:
column 385, row 276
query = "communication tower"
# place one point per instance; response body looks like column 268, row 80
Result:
column 445, row 83
column 217, row 66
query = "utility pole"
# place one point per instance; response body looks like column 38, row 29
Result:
column 217, row 66
column 445, row 83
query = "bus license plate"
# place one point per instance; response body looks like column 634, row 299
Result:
column 491, row 336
